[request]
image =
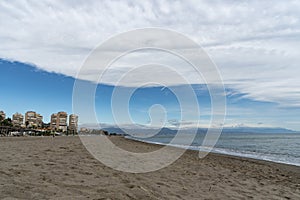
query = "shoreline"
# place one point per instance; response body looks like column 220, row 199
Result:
column 238, row 155
column 221, row 155
column 62, row 168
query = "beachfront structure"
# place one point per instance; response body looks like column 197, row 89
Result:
column 18, row 119
column 39, row 120
column 3, row 115
column 33, row 119
column 73, row 123
column 59, row 121
column 62, row 118
column 53, row 121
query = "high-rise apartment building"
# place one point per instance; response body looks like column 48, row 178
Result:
column 62, row 118
column 3, row 115
column 73, row 123
column 53, row 121
column 33, row 119
column 30, row 118
column 39, row 120
column 59, row 121
column 17, row 119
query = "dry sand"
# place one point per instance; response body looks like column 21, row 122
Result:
column 61, row 168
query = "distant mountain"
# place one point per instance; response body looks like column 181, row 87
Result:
column 166, row 131
column 114, row 130
column 257, row 130
column 163, row 131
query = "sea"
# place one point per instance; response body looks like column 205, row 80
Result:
column 275, row 147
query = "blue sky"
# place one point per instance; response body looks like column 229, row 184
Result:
column 255, row 45
column 25, row 87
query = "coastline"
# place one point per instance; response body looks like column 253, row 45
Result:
column 61, row 167
column 218, row 152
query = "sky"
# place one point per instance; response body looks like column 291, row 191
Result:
column 254, row 44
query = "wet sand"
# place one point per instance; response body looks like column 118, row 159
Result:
column 61, row 168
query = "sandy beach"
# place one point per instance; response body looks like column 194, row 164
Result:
column 61, row 168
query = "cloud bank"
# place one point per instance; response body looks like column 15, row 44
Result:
column 255, row 44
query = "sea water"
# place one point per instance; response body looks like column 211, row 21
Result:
column 281, row 148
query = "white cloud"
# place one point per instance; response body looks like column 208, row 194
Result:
column 256, row 44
